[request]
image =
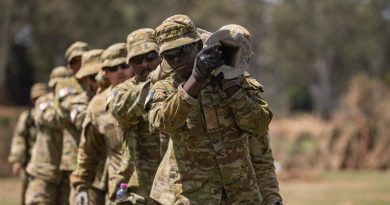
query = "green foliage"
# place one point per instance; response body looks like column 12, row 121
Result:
column 306, row 50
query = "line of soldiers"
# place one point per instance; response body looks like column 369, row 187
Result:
column 152, row 114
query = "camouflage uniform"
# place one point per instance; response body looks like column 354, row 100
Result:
column 24, row 137
column 141, row 145
column 46, row 185
column 100, row 140
column 261, row 153
column 46, row 156
column 210, row 135
column 71, row 102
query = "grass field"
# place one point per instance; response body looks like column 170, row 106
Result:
column 339, row 188
column 334, row 188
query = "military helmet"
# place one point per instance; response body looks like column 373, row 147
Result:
column 91, row 63
column 141, row 41
column 37, row 90
column 114, row 55
column 235, row 28
column 76, row 49
column 58, row 73
column 176, row 31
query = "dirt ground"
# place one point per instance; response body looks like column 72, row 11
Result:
column 336, row 188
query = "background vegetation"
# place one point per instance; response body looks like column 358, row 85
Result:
column 324, row 65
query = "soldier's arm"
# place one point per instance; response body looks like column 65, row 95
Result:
column 125, row 104
column 78, row 110
column 18, row 145
column 169, row 107
column 127, row 162
column 91, row 151
column 253, row 116
column 45, row 114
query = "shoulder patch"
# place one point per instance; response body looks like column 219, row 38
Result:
column 64, row 92
column 43, row 105
column 73, row 114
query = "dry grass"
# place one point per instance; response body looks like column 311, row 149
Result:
column 335, row 188
column 10, row 189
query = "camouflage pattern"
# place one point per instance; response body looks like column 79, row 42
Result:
column 141, row 145
column 235, row 28
column 21, row 147
column 114, row 55
column 140, row 42
column 76, row 49
column 46, row 154
column 91, row 63
column 43, row 192
column 37, row 90
column 171, row 34
column 23, row 138
column 203, row 34
column 101, row 138
column 57, row 74
column 70, row 102
column 210, row 141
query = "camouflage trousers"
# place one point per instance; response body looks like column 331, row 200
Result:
column 96, row 196
column 25, row 179
column 41, row 192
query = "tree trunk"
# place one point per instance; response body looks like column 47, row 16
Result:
column 4, row 45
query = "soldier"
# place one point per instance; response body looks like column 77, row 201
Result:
column 24, row 138
column 46, row 179
column 66, row 91
column 101, row 138
column 142, row 145
column 75, row 106
column 205, row 115
column 261, row 153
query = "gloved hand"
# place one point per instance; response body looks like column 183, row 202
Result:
column 207, row 60
column 82, row 198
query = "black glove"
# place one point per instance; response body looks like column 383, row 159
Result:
column 82, row 198
column 207, row 60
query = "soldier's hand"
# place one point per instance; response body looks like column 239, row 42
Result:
column 207, row 60
column 82, row 198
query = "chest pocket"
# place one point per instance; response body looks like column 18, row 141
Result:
column 218, row 117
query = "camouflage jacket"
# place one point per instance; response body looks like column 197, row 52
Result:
column 101, row 139
column 46, row 154
column 141, row 144
column 23, row 138
column 71, row 102
column 210, row 142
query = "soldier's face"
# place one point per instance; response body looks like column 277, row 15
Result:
column 144, row 64
column 75, row 64
column 182, row 59
column 118, row 74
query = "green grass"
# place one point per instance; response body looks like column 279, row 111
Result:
column 339, row 188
